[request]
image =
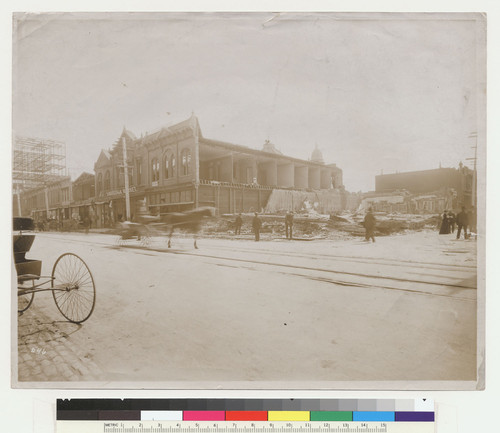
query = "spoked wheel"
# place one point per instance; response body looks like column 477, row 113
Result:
column 73, row 288
column 24, row 301
column 145, row 241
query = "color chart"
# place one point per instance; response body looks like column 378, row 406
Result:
column 245, row 415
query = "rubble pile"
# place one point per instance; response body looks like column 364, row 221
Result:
column 323, row 201
column 309, row 224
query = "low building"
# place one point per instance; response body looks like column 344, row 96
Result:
column 404, row 202
column 50, row 202
column 176, row 169
column 83, row 204
column 439, row 180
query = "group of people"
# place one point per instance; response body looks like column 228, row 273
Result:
column 257, row 225
column 464, row 220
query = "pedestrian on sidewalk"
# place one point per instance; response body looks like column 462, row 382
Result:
column 289, row 224
column 462, row 223
column 256, row 225
column 369, row 223
column 237, row 225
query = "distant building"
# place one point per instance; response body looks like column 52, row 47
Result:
column 52, row 201
column 176, row 168
column 439, row 182
column 83, row 203
column 36, row 163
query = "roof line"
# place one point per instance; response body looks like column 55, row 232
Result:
column 259, row 152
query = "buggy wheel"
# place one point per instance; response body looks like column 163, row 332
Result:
column 73, row 288
column 24, row 301
column 145, row 241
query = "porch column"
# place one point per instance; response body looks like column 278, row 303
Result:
column 314, row 178
column 301, row 180
column 326, row 179
column 286, row 175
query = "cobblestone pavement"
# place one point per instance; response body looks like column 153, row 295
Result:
column 46, row 351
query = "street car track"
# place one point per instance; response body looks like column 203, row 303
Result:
column 357, row 259
column 330, row 280
column 142, row 249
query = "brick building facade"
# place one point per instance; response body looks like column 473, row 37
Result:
column 176, row 168
column 441, row 180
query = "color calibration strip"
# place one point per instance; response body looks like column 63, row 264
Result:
column 303, row 410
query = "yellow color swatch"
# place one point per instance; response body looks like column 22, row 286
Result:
column 288, row 415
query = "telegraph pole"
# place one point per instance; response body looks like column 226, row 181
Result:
column 125, row 172
column 19, row 208
column 474, row 174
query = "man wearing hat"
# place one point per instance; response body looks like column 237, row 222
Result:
column 256, row 225
column 369, row 223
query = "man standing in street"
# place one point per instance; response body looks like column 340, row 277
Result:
column 472, row 219
column 256, row 225
column 369, row 223
column 237, row 224
column 289, row 224
column 462, row 222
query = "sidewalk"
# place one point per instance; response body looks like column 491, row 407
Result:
column 46, row 351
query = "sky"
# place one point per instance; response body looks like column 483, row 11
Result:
column 375, row 93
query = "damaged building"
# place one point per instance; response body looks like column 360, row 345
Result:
column 422, row 192
column 177, row 168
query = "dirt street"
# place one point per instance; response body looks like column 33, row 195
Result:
column 403, row 308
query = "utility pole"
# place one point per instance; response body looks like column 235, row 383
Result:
column 474, row 174
column 125, row 173
column 19, row 208
column 46, row 190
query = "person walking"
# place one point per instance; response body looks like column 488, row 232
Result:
column 86, row 224
column 237, row 224
column 445, row 225
column 451, row 221
column 256, row 225
column 369, row 223
column 462, row 223
column 472, row 218
column 289, row 225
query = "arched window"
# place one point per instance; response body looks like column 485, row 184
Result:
column 186, row 161
column 167, row 172
column 155, row 170
column 99, row 183
column 139, row 171
column 119, row 177
column 107, row 181
column 172, row 165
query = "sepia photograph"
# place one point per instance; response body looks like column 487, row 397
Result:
column 248, row 200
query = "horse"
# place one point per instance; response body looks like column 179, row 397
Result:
column 189, row 220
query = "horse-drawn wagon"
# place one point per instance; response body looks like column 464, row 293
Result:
column 149, row 226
